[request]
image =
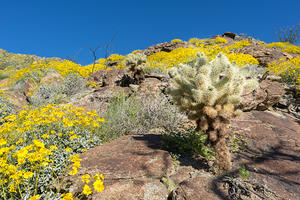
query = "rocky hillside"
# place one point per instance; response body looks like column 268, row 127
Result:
column 116, row 119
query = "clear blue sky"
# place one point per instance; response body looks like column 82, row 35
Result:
column 60, row 28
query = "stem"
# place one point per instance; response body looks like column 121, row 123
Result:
column 3, row 192
column 36, row 181
column 20, row 191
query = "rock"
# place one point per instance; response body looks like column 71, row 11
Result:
column 167, row 47
column 201, row 187
column 230, row 35
column 132, row 167
column 272, row 152
column 99, row 98
column 265, row 96
column 17, row 98
column 110, row 78
column 263, row 54
column 29, row 87
column 51, row 78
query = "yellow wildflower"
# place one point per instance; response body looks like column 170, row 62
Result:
column 35, row 197
column 98, row 186
column 67, row 196
column 85, row 178
column 87, row 190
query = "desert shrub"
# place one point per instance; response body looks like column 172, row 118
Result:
column 292, row 49
column 219, row 40
column 3, row 76
column 47, row 94
column 176, row 41
column 209, row 92
column 242, row 59
column 158, row 113
column 289, row 70
column 166, row 60
column 73, row 84
column 130, row 115
column 6, row 108
column 38, row 145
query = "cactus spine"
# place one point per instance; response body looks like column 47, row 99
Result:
column 209, row 92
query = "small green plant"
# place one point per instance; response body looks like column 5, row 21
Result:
column 289, row 34
column 175, row 158
column 244, row 173
column 187, row 141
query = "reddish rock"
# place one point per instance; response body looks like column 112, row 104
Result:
column 201, row 187
column 265, row 96
column 29, row 86
column 263, row 54
column 110, row 78
column 167, row 47
column 272, row 152
column 51, row 78
column 132, row 167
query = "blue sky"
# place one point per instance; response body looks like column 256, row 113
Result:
column 65, row 28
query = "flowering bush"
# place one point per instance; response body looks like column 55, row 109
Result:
column 166, row 60
column 289, row 70
column 37, row 144
column 5, row 108
column 292, row 49
column 242, row 59
column 220, row 40
column 176, row 41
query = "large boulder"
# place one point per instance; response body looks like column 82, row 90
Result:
column 132, row 167
column 263, row 54
column 272, row 151
column 265, row 96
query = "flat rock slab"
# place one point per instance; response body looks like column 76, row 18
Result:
column 204, row 187
column 272, row 154
column 132, row 167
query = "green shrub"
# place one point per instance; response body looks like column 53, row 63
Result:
column 6, row 108
column 131, row 115
column 73, row 84
column 187, row 141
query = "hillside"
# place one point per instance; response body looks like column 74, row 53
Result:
column 131, row 126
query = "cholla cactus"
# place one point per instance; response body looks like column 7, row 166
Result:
column 210, row 94
column 137, row 63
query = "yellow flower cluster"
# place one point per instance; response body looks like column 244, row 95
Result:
column 198, row 42
column 176, row 41
column 292, row 49
column 23, row 158
column 13, row 164
column 219, row 40
column 242, row 59
column 289, row 70
column 76, row 164
column 238, row 45
column 285, row 46
column 98, row 183
column 115, row 58
column 30, row 119
column 165, row 60
column 278, row 44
